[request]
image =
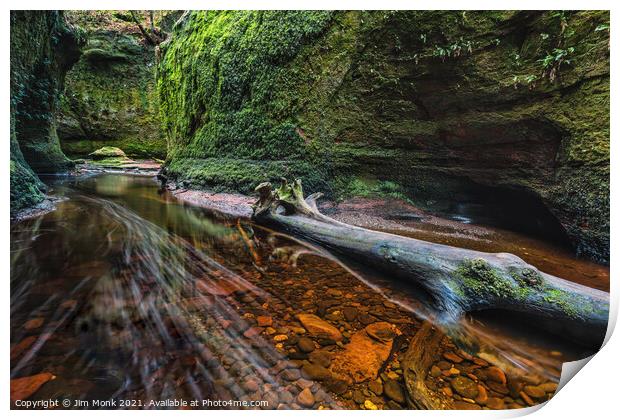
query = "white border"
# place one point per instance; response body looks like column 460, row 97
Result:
column 592, row 395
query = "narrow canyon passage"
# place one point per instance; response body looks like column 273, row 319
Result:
column 132, row 295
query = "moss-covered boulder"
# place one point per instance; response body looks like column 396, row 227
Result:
column 110, row 97
column 43, row 48
column 507, row 111
column 107, row 152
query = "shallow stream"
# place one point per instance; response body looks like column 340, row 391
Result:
column 124, row 293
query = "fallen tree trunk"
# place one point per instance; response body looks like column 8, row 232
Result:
column 458, row 280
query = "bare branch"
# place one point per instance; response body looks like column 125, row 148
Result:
column 146, row 35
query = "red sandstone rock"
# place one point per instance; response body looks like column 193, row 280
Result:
column 319, row 328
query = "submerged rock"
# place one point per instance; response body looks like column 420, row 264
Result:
column 495, row 403
column 394, row 391
column 306, row 345
column 464, row 405
column 465, row 387
column 349, row 313
column 22, row 388
column 376, row 387
column 319, row 328
column 264, row 321
column 364, row 355
column 493, row 373
column 534, row 391
column 382, row 331
column 316, row 372
column 34, row 323
column 321, row 357
column 19, row 348
column 305, row 398
column 369, row 405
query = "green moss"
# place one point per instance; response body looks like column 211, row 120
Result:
column 98, row 56
column 107, row 152
column 362, row 96
column 111, row 96
column 561, row 299
column 43, row 48
column 25, row 187
column 241, row 174
column 218, row 100
column 527, row 278
column 480, row 279
column 367, row 187
column 113, row 162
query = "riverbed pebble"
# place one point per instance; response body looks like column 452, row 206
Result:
column 306, row 345
column 305, row 398
column 534, row 391
column 465, row 387
column 394, row 391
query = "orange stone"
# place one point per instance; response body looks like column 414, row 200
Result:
column 22, row 388
column 22, row 346
column 34, row 323
column 69, row 304
column 319, row 328
column 382, row 331
column 496, row 374
column 224, row 323
column 222, row 287
column 364, row 355
column 526, row 398
column 483, row 396
column 264, row 321
column 452, row 357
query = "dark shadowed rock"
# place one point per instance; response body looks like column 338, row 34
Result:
column 394, row 391
column 306, row 345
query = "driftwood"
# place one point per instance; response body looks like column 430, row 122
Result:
column 457, row 280
column 423, row 350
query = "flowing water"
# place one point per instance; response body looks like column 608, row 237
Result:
column 126, row 295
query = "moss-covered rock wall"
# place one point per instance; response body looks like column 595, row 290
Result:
column 508, row 110
column 43, row 48
column 110, row 97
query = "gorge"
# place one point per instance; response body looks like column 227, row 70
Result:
column 486, row 131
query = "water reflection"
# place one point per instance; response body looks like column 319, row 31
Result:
column 123, row 292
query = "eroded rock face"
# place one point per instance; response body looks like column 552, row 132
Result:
column 43, row 49
column 110, row 97
column 467, row 111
